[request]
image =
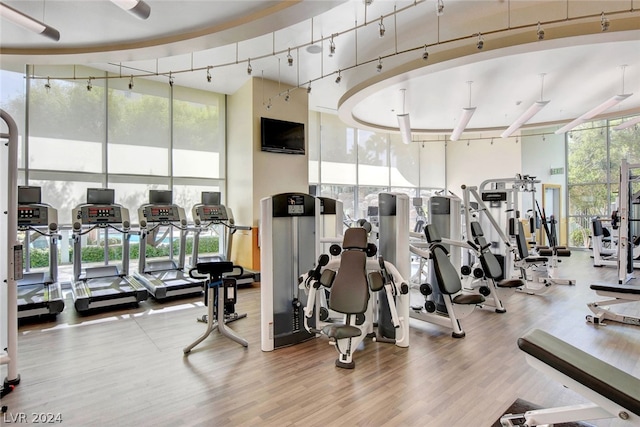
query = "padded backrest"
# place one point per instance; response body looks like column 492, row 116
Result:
column 355, row 238
column 432, row 234
column 476, row 229
column 521, row 241
column 597, row 227
column 446, row 274
column 490, row 263
column 350, row 289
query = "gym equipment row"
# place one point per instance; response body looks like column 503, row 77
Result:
column 110, row 285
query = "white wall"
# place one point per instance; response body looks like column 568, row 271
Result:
column 471, row 162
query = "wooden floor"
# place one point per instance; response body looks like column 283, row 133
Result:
column 127, row 368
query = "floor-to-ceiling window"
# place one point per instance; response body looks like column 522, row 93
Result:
column 354, row 165
column 594, row 153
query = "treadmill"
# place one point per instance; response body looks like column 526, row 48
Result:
column 39, row 293
column 208, row 214
column 164, row 278
column 106, row 285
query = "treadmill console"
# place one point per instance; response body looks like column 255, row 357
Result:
column 210, row 213
column 103, row 214
column 37, row 215
column 161, row 213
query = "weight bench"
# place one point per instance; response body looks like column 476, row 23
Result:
column 612, row 392
column 618, row 294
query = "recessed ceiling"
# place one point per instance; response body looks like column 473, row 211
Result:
column 581, row 64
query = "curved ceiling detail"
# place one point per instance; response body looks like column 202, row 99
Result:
column 578, row 69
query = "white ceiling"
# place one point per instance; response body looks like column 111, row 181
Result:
column 582, row 66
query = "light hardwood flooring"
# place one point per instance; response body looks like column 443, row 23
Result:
column 126, row 368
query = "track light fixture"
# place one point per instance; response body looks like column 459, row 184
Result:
column 540, row 32
column 440, row 8
column 286, row 97
column 379, row 66
column 208, row 75
column 339, row 78
column 27, row 22
column 89, row 84
column 249, row 68
column 604, row 22
column 381, row 25
column 130, row 82
column 425, row 54
column 269, row 104
column 332, row 47
column 47, row 85
column 137, row 8
column 309, row 89
column 170, row 79
column 480, row 42
column 289, row 58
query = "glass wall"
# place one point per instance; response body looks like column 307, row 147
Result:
column 354, row 165
column 594, row 153
column 79, row 133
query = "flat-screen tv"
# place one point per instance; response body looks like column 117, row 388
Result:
column 100, row 196
column 279, row 136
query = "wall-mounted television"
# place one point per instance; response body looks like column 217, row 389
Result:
column 279, row 136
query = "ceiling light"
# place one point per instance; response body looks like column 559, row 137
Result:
column 289, row 58
column 403, row 121
column 524, row 118
column 339, row 78
column 249, row 68
column 627, row 124
column 309, row 89
column 594, row 112
column 269, row 104
column 604, row 22
column 89, row 85
column 381, row 25
column 480, row 43
column 425, row 54
column 28, row 22
column 540, row 32
column 379, row 66
column 170, row 79
column 464, row 120
column 440, row 8
column 131, row 83
column 462, row 123
column 47, row 85
column 137, row 8
column 286, row 97
column 208, row 75
column 332, row 47
column 527, row 115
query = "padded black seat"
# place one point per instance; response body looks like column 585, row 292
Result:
column 468, row 299
column 510, row 283
column 593, row 373
column 622, row 289
column 489, row 262
column 340, row 330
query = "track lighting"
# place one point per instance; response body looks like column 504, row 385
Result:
column 286, row 97
column 170, row 79
column 208, row 75
column 89, row 84
column 249, row 68
column 425, row 54
column 309, row 89
column 339, row 78
column 440, row 8
column 332, row 47
column 379, row 66
column 29, row 23
column 137, row 8
column 47, row 85
column 480, row 43
column 604, row 22
column 269, row 104
column 289, row 58
column 540, row 32
column 381, row 25
column 130, row 82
